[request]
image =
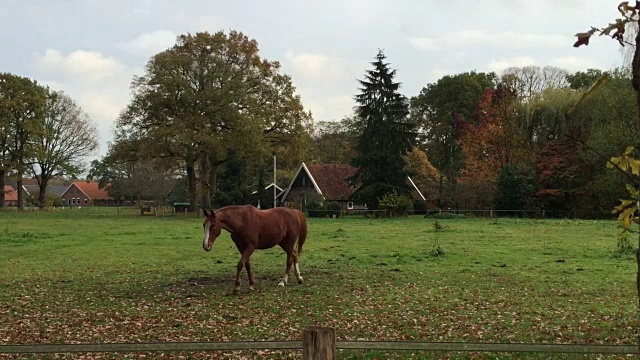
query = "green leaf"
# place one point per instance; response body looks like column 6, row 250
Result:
column 634, row 193
column 626, row 217
column 635, row 166
column 624, row 204
column 629, row 150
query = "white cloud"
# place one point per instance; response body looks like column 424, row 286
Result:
column 574, row 63
column 481, row 39
column 98, row 83
column 211, row 24
column 328, row 108
column 90, row 65
column 151, row 43
column 188, row 23
column 500, row 65
column 316, row 67
column 439, row 72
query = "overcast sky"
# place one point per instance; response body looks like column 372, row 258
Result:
column 92, row 48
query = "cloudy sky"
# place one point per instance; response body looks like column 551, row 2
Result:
column 92, row 48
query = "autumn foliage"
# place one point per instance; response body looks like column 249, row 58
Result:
column 559, row 174
column 488, row 142
column 426, row 176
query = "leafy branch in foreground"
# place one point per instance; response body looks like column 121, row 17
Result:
column 628, row 209
column 628, row 13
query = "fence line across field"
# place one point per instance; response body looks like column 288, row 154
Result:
column 490, row 213
column 320, row 343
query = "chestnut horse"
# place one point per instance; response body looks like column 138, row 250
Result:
column 253, row 229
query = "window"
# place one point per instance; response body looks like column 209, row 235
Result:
column 86, row 201
column 350, row 205
column 304, row 181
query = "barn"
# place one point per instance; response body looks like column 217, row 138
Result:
column 330, row 182
column 10, row 196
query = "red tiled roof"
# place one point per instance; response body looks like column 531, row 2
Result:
column 332, row 180
column 10, row 194
column 92, row 190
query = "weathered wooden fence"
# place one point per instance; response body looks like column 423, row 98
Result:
column 320, row 344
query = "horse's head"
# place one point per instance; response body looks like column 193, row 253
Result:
column 212, row 229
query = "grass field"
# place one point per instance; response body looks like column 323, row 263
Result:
column 97, row 276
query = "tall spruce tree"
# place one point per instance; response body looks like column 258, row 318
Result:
column 386, row 135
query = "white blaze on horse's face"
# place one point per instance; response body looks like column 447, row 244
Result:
column 206, row 244
column 212, row 229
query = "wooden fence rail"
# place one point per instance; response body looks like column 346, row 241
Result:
column 320, row 344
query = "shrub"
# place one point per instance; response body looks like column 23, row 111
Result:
column 420, row 207
column 446, row 215
column 395, row 204
column 315, row 206
column 292, row 205
column 333, row 208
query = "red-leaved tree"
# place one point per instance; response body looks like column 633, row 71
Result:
column 488, row 144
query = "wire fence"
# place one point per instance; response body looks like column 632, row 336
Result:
column 167, row 210
column 340, row 345
column 468, row 213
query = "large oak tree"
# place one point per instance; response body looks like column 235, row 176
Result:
column 208, row 94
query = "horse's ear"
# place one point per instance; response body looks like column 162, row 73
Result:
column 204, row 211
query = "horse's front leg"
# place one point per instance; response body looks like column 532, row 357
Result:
column 285, row 280
column 241, row 264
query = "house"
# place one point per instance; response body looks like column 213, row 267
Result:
column 330, row 182
column 33, row 192
column 10, row 196
column 269, row 195
column 86, row 193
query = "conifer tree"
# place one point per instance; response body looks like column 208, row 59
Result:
column 386, row 135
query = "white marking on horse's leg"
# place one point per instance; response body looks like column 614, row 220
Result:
column 298, row 273
column 284, row 281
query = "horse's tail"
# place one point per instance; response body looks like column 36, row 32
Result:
column 303, row 232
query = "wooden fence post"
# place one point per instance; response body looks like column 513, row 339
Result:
column 319, row 344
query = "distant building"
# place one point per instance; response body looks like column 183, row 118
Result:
column 33, row 192
column 330, row 182
column 10, row 196
column 254, row 198
column 86, row 193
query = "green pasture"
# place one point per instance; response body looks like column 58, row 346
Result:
column 94, row 275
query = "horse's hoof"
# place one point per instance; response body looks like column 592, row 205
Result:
column 300, row 280
column 236, row 291
column 281, row 283
column 251, row 288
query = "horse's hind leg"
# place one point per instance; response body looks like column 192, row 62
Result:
column 249, row 273
column 297, row 267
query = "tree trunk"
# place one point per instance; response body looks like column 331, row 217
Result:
column 205, row 172
column 42, row 196
column 213, row 178
column 191, row 180
column 20, row 191
column 2, row 197
column 635, row 82
column 638, row 291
